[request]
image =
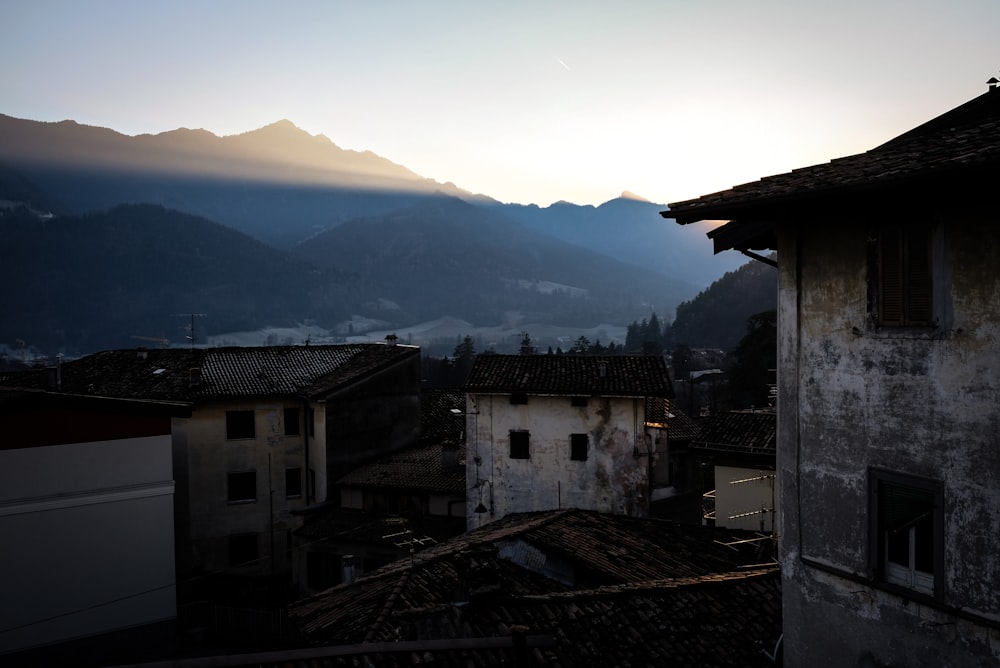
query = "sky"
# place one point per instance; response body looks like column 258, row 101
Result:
column 528, row 102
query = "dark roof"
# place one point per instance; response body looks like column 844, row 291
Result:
column 948, row 160
column 437, row 422
column 586, row 375
column 166, row 374
column 750, row 433
column 605, row 589
column 417, row 469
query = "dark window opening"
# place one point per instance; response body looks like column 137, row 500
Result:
column 907, row 532
column 323, row 570
column 578, row 446
column 519, row 441
column 242, row 486
column 293, row 483
column 292, row 422
column 519, row 398
column 242, row 549
column 578, row 401
column 240, row 424
column 905, row 277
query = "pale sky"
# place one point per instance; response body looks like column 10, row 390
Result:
column 529, row 102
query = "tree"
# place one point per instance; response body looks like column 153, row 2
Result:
column 755, row 357
column 527, row 348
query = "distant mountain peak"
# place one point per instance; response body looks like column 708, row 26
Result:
column 627, row 194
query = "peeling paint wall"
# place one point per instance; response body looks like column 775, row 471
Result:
column 853, row 397
column 612, row 479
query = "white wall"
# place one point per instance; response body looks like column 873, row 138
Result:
column 87, row 539
column 611, row 479
column 740, row 495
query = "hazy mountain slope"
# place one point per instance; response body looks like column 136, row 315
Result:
column 83, row 283
column 278, row 183
column 717, row 316
column 632, row 230
column 447, row 257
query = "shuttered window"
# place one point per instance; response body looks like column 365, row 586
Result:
column 905, row 277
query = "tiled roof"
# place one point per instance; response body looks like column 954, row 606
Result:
column 166, row 374
column 666, row 412
column 607, row 590
column 738, row 431
column 955, row 146
column 417, row 469
column 437, row 422
column 586, row 375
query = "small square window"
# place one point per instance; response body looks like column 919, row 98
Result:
column 907, row 538
column 519, row 441
column 578, row 447
column 293, row 483
column 242, row 549
column 519, row 398
column 292, row 422
column 242, row 486
column 578, row 401
column 240, row 425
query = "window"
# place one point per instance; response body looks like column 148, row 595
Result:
column 293, row 483
column 240, row 424
column 907, row 533
column 519, row 444
column 291, row 422
column 578, row 401
column 242, row 486
column 519, row 398
column 904, row 276
column 242, row 549
column 578, row 446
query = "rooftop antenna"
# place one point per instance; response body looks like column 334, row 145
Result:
column 190, row 336
column 993, row 81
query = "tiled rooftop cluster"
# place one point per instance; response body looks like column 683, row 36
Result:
column 608, row 590
column 585, row 375
column 739, row 431
column 186, row 375
column 416, row 469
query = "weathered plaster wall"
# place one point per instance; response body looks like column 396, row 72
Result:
column 921, row 403
column 211, row 458
column 612, row 479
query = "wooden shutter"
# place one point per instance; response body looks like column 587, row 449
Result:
column 905, row 284
column 890, row 274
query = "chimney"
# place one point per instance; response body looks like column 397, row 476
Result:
column 390, row 339
column 347, row 563
column 194, row 377
column 602, row 369
column 993, row 83
column 141, row 353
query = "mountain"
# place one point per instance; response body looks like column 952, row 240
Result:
column 106, row 236
column 717, row 316
column 632, row 230
column 278, row 183
column 83, row 283
column 444, row 256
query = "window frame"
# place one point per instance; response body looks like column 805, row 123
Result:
column 905, row 273
column 232, row 489
column 236, row 424
column 576, row 443
column 519, row 450
column 892, row 575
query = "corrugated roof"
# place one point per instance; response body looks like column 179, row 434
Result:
column 586, row 375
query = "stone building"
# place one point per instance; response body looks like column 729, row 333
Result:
column 888, row 391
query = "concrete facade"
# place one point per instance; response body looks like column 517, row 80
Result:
column 87, row 525
column 888, row 392
column 613, row 478
column 853, row 399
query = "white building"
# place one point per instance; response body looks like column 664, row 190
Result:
column 87, row 518
column 562, row 431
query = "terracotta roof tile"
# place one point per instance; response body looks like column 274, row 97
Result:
column 739, row 431
column 586, row 375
